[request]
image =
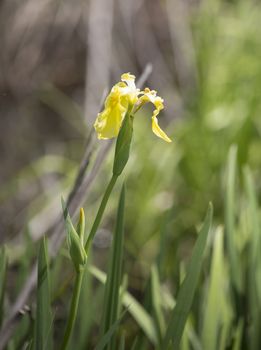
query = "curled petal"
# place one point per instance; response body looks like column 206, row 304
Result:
column 157, row 130
column 151, row 96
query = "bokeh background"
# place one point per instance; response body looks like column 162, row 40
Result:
column 57, row 61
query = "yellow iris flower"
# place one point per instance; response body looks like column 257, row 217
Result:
column 123, row 97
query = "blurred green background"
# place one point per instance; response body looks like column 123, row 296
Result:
column 58, row 59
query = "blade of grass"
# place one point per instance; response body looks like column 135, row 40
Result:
column 256, row 229
column 230, row 202
column 113, row 281
column 184, row 343
column 192, row 335
column 24, row 328
column 3, row 267
column 43, row 321
column 254, row 284
column 156, row 302
column 123, row 289
column 238, row 335
column 134, row 344
column 106, row 338
column 213, row 310
column 188, row 287
column 26, row 259
column 137, row 311
column 122, row 342
column 168, row 303
column 30, row 345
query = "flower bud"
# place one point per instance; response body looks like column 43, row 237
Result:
column 81, row 225
column 76, row 249
column 75, row 239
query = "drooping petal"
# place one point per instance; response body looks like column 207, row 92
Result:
column 151, row 96
column 158, row 131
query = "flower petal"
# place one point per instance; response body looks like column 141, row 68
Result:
column 122, row 98
column 129, row 79
column 157, row 130
column 130, row 90
column 151, row 96
column 108, row 122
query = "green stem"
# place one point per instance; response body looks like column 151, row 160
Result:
column 100, row 212
column 73, row 309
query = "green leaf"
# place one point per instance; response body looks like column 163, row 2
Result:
column 43, row 321
column 217, row 316
column 188, row 287
column 113, row 282
column 30, row 345
column 230, row 211
column 26, row 259
column 3, row 266
column 122, row 342
column 137, row 311
column 254, row 275
column 156, row 297
column 105, row 339
column 238, row 335
column 134, row 344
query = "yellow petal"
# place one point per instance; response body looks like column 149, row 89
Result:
column 122, row 97
column 151, row 96
column 108, row 122
column 128, row 78
column 157, row 130
column 130, row 90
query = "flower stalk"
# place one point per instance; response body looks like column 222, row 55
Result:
column 75, row 237
column 73, row 309
column 116, row 120
column 100, row 212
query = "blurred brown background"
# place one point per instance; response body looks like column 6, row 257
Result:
column 78, row 48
